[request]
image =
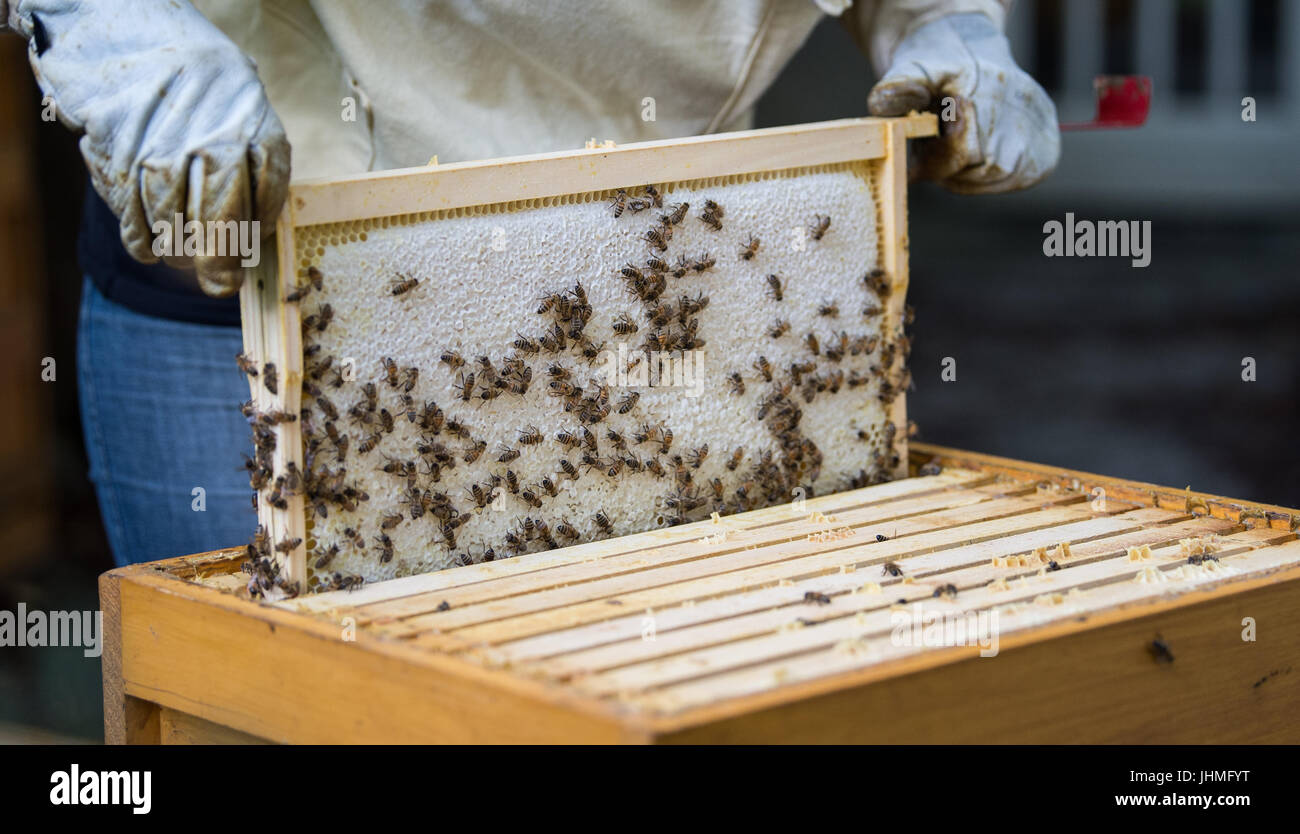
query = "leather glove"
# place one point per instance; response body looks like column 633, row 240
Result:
column 1002, row 135
column 173, row 116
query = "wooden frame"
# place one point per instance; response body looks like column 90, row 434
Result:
column 272, row 334
column 187, row 658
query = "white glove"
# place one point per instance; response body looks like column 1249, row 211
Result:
column 1004, row 134
column 174, row 116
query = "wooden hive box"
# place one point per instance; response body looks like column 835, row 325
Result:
column 1126, row 612
column 461, row 362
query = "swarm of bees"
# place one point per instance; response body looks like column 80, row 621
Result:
column 383, row 421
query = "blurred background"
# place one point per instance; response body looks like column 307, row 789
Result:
column 1084, row 363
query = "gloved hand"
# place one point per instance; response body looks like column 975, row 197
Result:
column 174, row 117
column 1004, row 133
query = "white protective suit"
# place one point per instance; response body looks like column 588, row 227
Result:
column 174, row 119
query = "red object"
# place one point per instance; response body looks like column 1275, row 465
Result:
column 1122, row 101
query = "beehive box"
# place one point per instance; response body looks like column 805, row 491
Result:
column 462, row 363
column 1122, row 612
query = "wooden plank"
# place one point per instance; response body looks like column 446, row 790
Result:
column 182, row 728
column 610, row 633
column 637, row 542
column 893, row 189
column 717, row 621
column 774, row 535
column 833, row 613
column 539, row 176
column 1086, row 681
column 1152, row 495
column 127, row 720
column 1253, row 562
column 478, row 626
column 287, row 678
column 728, row 561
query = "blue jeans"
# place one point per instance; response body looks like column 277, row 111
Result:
column 160, row 411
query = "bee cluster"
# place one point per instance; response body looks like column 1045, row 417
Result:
column 426, row 451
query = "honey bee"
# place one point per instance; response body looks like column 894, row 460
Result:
column 653, row 466
column 891, row 569
column 697, row 456
column 547, row 303
column 385, row 548
column 369, row 442
column 714, row 208
column 315, row 278
column 676, row 216
column 624, row 326
column 737, row 455
column 774, row 290
column 475, row 451
column 530, row 436
column 465, row 386
column 324, row 559
column 814, row 346
column 949, row 590
column 711, row 219
column 603, row 522
column 764, row 368
column 246, row 365
column 636, row 205
column 656, row 199
column 817, row 228
column 525, row 345
column 390, row 370
column 779, row 328
column 403, row 284
column 549, row 486
column 750, row 249
column 507, row 455
column 410, row 376
column 482, row 497
column 628, row 402
column 285, row 545
column 452, row 359
column 270, row 379
column 737, row 383
column 829, row 309
column 324, row 316
column 390, row 521
column 530, row 498
column 298, row 294
column 386, row 421
column 704, row 262
column 569, row 469
column 656, row 238
column 566, row 530
column 877, row 282
column 619, row 203
column 666, row 439
column 567, row 438
column 682, row 266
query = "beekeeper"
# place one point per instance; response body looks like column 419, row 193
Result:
column 190, row 111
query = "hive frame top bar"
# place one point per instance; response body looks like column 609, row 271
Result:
column 461, row 184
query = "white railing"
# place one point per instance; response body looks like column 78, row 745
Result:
column 1194, row 147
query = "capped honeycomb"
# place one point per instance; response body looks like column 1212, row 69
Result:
column 485, row 382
